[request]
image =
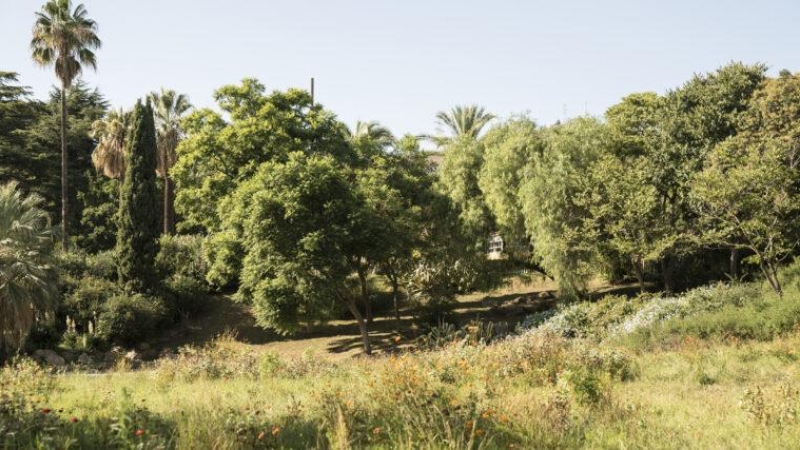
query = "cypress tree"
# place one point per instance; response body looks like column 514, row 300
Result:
column 139, row 220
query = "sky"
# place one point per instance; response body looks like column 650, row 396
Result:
column 400, row 62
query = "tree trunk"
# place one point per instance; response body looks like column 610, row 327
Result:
column 362, row 280
column 64, row 199
column 734, row 264
column 169, row 199
column 395, row 297
column 666, row 274
column 362, row 325
column 772, row 276
column 639, row 267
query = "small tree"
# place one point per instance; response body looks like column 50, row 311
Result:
column 748, row 194
column 301, row 226
column 27, row 277
column 138, row 227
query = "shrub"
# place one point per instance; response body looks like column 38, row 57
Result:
column 86, row 302
column 188, row 295
column 102, row 265
column 181, row 255
column 128, row 319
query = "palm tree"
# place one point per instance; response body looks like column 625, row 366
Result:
column 463, row 121
column 169, row 108
column 64, row 38
column 27, row 277
column 373, row 132
column 109, row 155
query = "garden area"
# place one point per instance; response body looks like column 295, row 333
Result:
column 256, row 273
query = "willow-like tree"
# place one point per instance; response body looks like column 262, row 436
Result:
column 138, row 227
column 65, row 38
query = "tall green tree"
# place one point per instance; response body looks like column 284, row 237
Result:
column 64, row 38
column 749, row 194
column 170, row 108
column 217, row 155
column 28, row 278
column 555, row 198
column 138, row 226
column 301, row 224
column 508, row 148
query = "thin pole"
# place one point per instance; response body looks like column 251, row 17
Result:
column 312, row 91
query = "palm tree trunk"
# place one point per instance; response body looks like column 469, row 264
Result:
column 64, row 229
column 169, row 199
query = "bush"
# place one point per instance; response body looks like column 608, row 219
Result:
column 128, row 319
column 86, row 302
column 102, row 265
column 181, row 255
column 188, row 295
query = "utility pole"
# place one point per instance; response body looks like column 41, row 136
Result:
column 312, row 91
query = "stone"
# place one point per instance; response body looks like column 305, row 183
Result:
column 50, row 358
column 85, row 360
column 132, row 356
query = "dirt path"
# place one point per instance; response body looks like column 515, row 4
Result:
column 340, row 338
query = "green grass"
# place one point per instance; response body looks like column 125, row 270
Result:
column 720, row 370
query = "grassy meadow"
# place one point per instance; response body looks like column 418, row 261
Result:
column 572, row 380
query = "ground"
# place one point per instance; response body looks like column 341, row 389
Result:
column 340, row 339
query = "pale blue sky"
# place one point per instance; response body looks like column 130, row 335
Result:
column 400, row 62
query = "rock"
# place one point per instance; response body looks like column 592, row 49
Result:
column 110, row 357
column 132, row 356
column 50, row 358
column 85, row 360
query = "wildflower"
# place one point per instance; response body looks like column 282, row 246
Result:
column 73, row 419
column 139, row 432
column 261, row 435
column 486, row 414
column 376, row 431
column 468, row 424
column 397, row 339
column 276, row 430
column 46, row 410
column 479, row 432
column 503, row 418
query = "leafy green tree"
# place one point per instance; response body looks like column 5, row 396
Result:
column 64, row 38
column 301, row 225
column 35, row 161
column 217, row 155
column 508, row 148
column 169, row 108
column 556, row 201
column 702, row 113
column 749, row 194
column 458, row 179
column 27, row 275
column 138, row 226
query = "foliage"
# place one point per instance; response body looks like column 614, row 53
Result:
column 556, row 205
column 138, row 220
column 508, row 148
column 217, row 155
column 181, row 255
column 131, row 318
column 27, row 274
